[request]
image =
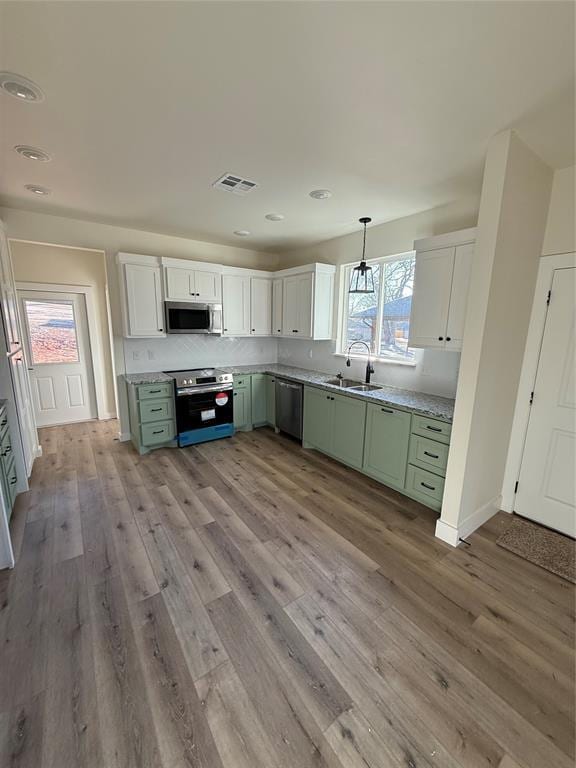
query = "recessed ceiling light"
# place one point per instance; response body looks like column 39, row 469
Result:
column 320, row 194
column 37, row 190
column 20, row 87
column 274, row 217
column 32, row 153
column 242, row 232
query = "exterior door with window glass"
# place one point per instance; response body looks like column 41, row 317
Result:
column 58, row 352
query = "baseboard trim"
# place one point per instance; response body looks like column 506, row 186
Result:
column 452, row 535
column 106, row 416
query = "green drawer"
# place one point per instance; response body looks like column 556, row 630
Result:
column 242, row 381
column 432, row 428
column 160, row 432
column 428, row 454
column 155, row 391
column 11, row 480
column 156, row 410
column 6, row 453
column 425, row 486
column 3, row 422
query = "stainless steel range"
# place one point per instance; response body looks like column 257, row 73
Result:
column 204, row 409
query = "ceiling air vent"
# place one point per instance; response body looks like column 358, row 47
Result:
column 235, row 184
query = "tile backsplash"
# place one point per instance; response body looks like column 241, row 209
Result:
column 196, row 351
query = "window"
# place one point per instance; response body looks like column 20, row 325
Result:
column 52, row 331
column 381, row 319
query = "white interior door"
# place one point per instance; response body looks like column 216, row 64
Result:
column 546, row 487
column 58, row 351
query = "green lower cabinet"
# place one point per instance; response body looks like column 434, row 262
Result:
column 152, row 422
column 271, row 400
column 318, row 419
column 349, row 421
column 425, row 486
column 243, row 405
column 259, row 399
column 386, row 444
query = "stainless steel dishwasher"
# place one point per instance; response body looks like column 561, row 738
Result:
column 289, row 407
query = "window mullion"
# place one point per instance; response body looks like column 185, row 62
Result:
column 380, row 309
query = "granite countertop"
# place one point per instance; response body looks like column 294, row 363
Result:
column 407, row 399
column 147, row 378
column 410, row 400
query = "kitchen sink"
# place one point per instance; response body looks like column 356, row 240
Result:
column 364, row 387
column 343, row 383
column 352, row 385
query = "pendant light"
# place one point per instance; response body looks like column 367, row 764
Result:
column 361, row 278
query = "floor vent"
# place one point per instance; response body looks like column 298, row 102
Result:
column 235, row 184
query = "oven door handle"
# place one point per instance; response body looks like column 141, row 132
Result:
column 187, row 391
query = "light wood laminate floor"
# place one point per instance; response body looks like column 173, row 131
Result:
column 249, row 604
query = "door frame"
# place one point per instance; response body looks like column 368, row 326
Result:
column 548, row 265
column 93, row 336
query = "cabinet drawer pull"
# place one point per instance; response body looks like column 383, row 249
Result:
column 8, row 450
column 430, row 487
column 4, row 422
column 432, row 455
column 294, row 331
column 14, row 480
column 155, row 410
column 158, row 432
column 434, row 429
column 448, row 338
column 387, row 410
column 440, row 338
column 155, row 391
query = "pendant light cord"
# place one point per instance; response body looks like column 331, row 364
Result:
column 364, row 244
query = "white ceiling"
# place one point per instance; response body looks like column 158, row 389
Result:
column 388, row 104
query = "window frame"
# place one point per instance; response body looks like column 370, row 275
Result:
column 341, row 341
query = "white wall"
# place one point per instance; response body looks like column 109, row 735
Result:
column 435, row 372
column 511, row 224
column 560, row 236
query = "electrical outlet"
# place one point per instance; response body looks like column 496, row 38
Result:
column 137, row 354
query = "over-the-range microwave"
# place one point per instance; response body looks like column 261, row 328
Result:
column 188, row 317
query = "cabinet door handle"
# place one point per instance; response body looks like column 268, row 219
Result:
column 155, row 410
column 448, row 338
column 430, row 487
column 434, row 429
column 253, row 330
column 4, row 422
column 8, row 449
column 440, row 338
column 294, row 330
column 235, row 394
column 387, row 410
column 14, row 480
column 432, row 455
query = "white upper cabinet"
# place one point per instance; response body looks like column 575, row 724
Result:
column 277, row 287
column 260, row 306
column 463, row 256
column 186, row 281
column 142, row 299
column 297, row 306
column 441, row 281
column 307, row 302
column 236, row 305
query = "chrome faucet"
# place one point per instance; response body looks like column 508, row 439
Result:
column 369, row 366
